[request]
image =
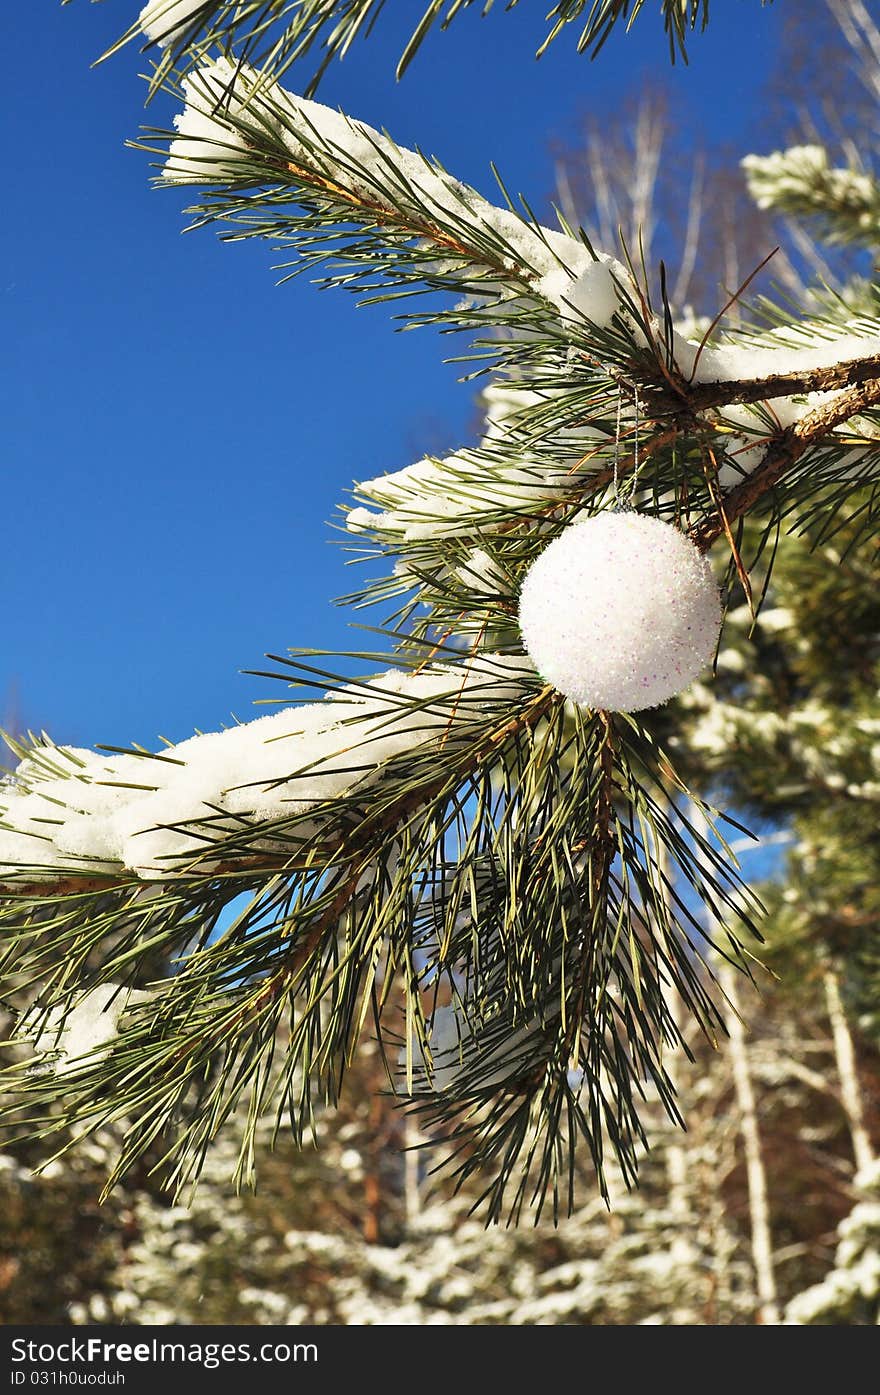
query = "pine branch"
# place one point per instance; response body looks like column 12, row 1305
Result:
column 399, row 222
column 679, row 16
column 516, row 1115
column 698, row 397
column 785, row 452
column 519, row 276
column 798, row 182
column 516, row 794
column 432, row 710
column 278, row 33
column 389, row 221
column 446, row 833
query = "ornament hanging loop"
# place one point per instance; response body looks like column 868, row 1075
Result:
column 632, row 388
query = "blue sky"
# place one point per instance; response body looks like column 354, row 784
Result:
column 179, row 430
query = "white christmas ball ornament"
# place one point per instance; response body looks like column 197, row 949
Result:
column 620, row 612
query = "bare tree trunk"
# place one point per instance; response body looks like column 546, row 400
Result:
column 717, row 1162
column 371, row 1227
column 677, row 1171
column 863, row 37
column 692, row 232
column 412, row 1189
column 677, row 1167
column 845, row 1060
column 756, row 1173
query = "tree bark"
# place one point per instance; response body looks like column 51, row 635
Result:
column 756, row 1172
column 677, row 1173
column 412, row 1189
column 845, row 1060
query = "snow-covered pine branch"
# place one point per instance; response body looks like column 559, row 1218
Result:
column 800, row 182
column 157, row 814
column 849, row 1295
column 527, row 465
column 238, row 129
column 241, row 130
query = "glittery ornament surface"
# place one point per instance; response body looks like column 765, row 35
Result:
column 620, row 612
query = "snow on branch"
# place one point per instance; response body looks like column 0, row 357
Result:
column 808, row 372
column 238, row 126
column 483, row 488
column 806, row 350
column 70, row 809
column 167, row 21
column 458, row 493
column 809, row 427
column 800, row 182
column 235, row 119
column 524, row 466
column 422, row 225
column 73, row 1032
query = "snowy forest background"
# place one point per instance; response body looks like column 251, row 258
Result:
column 767, row 1208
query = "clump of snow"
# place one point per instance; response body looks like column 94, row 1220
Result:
column 784, row 171
column 165, row 20
column 141, row 811
column 504, row 402
column 441, row 498
column 746, row 447
column 207, row 147
column 481, row 573
column 620, row 612
column 781, row 351
column 71, row 1033
column 591, row 294
column 868, row 1179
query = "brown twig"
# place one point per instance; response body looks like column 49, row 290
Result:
column 726, row 306
column 784, row 452
column 698, row 397
column 416, row 227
